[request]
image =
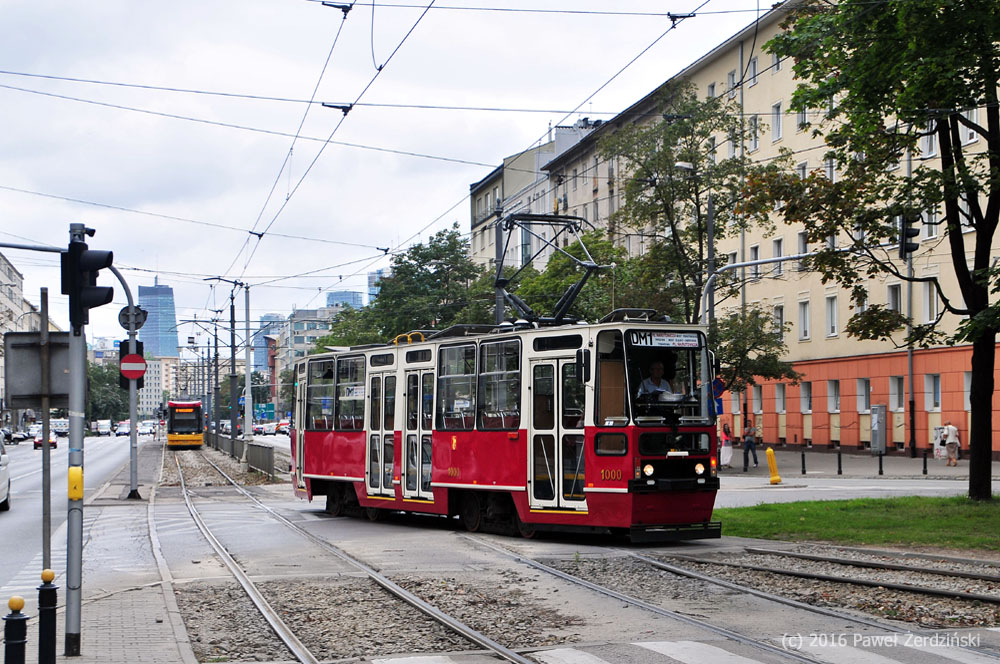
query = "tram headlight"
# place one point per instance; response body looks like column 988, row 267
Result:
column 647, row 470
column 699, row 469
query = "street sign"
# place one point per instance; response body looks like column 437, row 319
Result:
column 133, row 367
column 242, row 400
column 140, row 317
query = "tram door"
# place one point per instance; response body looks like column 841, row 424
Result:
column 416, row 475
column 299, row 422
column 381, row 434
column 556, row 456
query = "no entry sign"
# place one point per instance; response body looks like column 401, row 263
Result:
column 133, row 366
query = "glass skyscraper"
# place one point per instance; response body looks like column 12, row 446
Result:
column 352, row 298
column 159, row 334
column 270, row 324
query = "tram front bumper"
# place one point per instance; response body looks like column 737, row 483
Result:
column 661, row 484
column 675, row 533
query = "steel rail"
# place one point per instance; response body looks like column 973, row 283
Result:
column 920, row 590
column 383, row 581
column 634, row 601
column 874, row 564
column 287, row 636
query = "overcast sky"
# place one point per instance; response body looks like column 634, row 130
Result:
column 176, row 189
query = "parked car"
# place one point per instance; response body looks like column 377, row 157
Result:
column 103, row 427
column 4, row 480
column 18, row 436
column 258, row 429
column 145, row 430
column 123, row 429
column 53, row 440
column 283, row 427
column 8, row 435
column 270, row 428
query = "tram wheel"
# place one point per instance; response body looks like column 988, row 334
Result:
column 335, row 502
column 374, row 514
column 472, row 512
column 527, row 530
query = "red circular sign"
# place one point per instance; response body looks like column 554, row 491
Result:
column 133, row 366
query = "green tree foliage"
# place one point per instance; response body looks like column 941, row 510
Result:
column 749, row 346
column 895, row 80
column 105, row 400
column 669, row 167
column 541, row 291
column 286, row 391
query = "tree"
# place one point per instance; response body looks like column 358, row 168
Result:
column 286, row 390
column 668, row 168
column 428, row 286
column 895, row 78
column 105, row 399
column 749, row 346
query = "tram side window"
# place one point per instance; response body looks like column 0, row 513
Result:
column 611, row 395
column 456, row 398
column 351, row 394
column 500, row 385
column 319, row 396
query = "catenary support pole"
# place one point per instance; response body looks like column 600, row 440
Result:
column 46, row 353
column 233, row 386
column 248, row 400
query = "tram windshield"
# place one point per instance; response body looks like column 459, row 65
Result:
column 664, row 370
column 185, row 419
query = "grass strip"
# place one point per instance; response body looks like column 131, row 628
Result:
column 948, row 522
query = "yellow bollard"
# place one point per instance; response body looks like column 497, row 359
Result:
column 772, row 465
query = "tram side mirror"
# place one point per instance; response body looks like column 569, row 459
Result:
column 583, row 365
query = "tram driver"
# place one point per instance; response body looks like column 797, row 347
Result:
column 657, row 382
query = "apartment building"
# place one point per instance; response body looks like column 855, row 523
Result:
column 843, row 377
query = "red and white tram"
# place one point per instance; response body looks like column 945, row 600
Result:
column 551, row 428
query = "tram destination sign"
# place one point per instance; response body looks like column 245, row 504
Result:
column 664, row 339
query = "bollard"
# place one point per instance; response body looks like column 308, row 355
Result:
column 803, row 463
column 880, row 463
column 840, row 468
column 15, row 631
column 47, row 602
column 925, row 462
column 772, row 465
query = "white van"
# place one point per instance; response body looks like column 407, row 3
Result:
column 103, row 427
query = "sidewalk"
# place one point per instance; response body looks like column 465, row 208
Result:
column 823, row 463
column 128, row 611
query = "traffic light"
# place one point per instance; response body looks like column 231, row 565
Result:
column 906, row 231
column 80, row 266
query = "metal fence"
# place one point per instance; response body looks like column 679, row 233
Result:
column 259, row 457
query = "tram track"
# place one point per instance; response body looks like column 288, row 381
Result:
column 880, row 626
column 287, row 634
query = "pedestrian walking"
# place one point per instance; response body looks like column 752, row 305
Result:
column 726, row 446
column 749, row 443
column 951, row 443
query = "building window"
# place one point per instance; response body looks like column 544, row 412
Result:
column 754, row 133
column 967, row 390
column 758, row 399
column 711, row 149
column 732, row 145
column 969, row 134
column 897, row 394
column 802, row 170
column 928, row 146
column 778, row 249
column 752, row 71
column 831, row 316
column 736, row 401
column 801, row 120
column 776, row 118
column 574, row 180
column 894, row 298
column 864, row 395
column 803, row 248
column 833, row 396
column 731, row 83
column 932, row 392
column 775, row 63
column 779, row 398
column 930, row 224
column 830, row 168
column 931, row 303
column 804, row 319
column 806, row 397
column 754, row 255
column 778, row 317
column 711, row 90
